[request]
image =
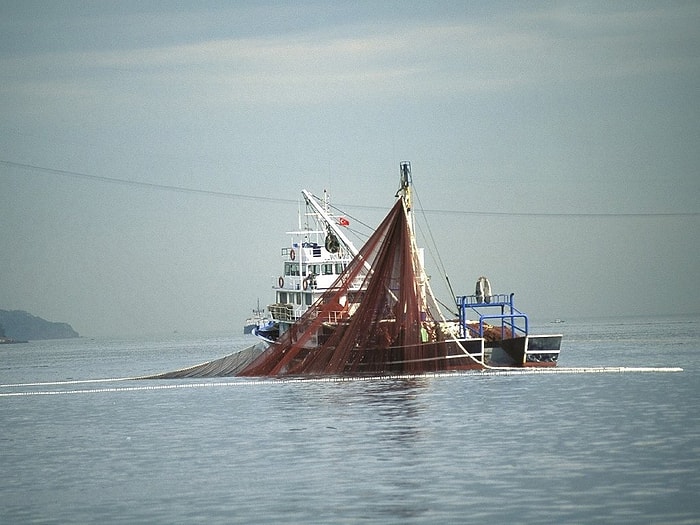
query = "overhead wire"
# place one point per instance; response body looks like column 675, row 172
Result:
column 265, row 198
column 150, row 185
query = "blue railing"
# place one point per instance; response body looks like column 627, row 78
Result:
column 511, row 321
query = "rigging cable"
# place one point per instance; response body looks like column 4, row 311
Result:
column 433, row 247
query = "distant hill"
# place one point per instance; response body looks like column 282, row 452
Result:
column 23, row 326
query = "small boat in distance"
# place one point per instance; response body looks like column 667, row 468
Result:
column 257, row 320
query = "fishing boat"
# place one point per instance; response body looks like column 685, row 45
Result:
column 343, row 311
column 257, row 320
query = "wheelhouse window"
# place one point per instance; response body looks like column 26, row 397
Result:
column 291, row 268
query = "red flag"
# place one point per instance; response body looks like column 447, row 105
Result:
column 343, row 221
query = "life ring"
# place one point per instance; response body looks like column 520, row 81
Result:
column 292, row 254
column 280, row 282
column 305, row 284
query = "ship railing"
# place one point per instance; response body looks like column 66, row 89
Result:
column 334, row 316
column 487, row 300
column 330, row 316
column 511, row 321
column 285, row 311
column 290, row 313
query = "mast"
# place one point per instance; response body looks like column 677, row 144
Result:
column 329, row 221
column 405, row 192
column 405, row 183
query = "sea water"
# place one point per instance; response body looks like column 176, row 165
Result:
column 478, row 448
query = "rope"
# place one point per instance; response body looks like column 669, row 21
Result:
column 494, row 371
column 482, row 362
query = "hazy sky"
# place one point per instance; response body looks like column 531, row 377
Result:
column 555, row 145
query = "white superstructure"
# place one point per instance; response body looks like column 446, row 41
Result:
column 317, row 253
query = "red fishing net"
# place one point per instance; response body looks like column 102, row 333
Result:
column 376, row 318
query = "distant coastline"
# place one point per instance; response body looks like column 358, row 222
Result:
column 18, row 326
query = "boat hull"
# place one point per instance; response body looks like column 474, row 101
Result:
column 435, row 356
column 449, row 355
column 526, row 351
column 439, row 356
column 268, row 332
column 478, row 354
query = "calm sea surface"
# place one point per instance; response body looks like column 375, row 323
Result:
column 547, row 448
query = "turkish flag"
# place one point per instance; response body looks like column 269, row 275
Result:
column 343, row 221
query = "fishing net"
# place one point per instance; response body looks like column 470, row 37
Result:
column 227, row 366
column 375, row 319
